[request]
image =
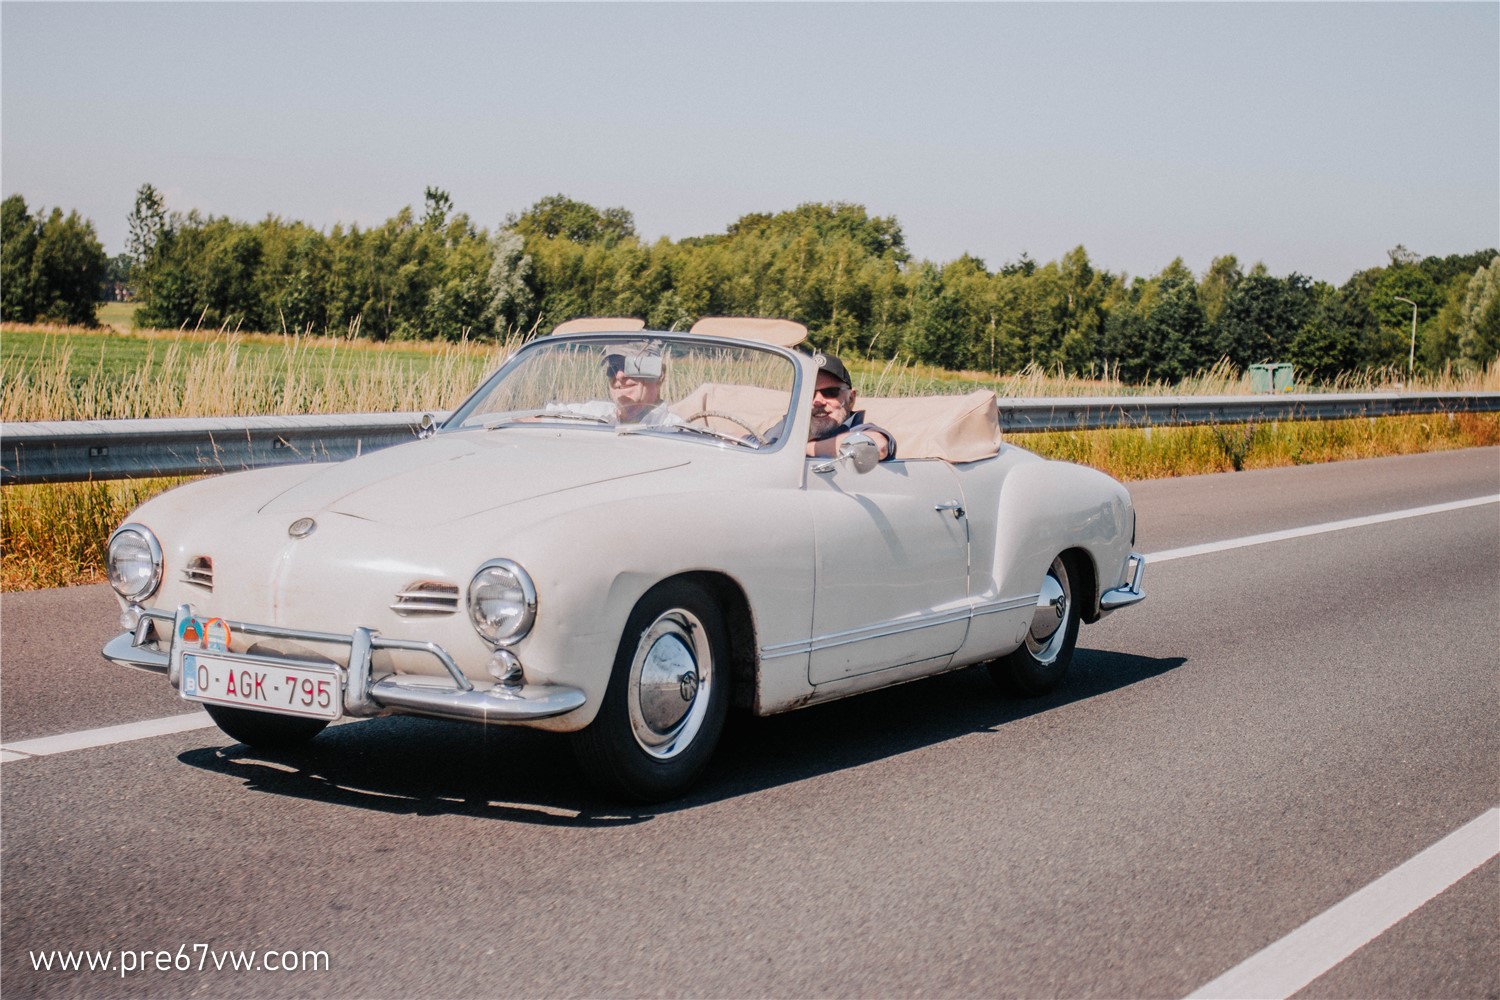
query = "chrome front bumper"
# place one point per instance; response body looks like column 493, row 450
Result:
column 1131, row 593
column 363, row 695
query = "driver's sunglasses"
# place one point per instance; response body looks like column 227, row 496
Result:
column 830, row 391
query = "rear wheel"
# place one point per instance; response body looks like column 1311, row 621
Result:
column 265, row 730
column 1040, row 663
column 668, row 693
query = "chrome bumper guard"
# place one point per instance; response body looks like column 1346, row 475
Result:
column 1124, row 597
column 363, row 696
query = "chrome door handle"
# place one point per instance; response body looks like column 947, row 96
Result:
column 953, row 505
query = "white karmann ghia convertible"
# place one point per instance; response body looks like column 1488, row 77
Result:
column 617, row 536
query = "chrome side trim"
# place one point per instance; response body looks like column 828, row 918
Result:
column 1131, row 593
column 881, row 630
column 1009, row 604
column 363, row 695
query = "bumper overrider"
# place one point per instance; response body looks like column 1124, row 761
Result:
column 508, row 700
column 1131, row 593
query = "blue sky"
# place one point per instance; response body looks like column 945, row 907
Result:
column 1311, row 137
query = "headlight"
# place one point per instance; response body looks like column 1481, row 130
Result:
column 134, row 562
column 502, row 602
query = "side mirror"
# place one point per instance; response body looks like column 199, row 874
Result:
column 427, row 426
column 859, row 450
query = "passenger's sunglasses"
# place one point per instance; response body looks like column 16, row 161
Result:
column 830, row 391
column 615, row 365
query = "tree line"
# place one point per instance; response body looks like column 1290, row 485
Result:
column 844, row 273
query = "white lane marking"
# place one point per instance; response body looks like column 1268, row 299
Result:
column 179, row 723
column 1167, row 555
column 1285, row 967
column 104, row 737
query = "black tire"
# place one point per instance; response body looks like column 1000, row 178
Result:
column 668, row 694
column 1039, row 664
column 265, row 730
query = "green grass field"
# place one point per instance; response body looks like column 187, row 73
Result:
column 116, row 355
column 94, row 375
column 120, row 315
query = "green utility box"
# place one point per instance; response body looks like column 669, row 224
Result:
column 1271, row 378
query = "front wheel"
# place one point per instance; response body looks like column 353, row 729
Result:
column 265, row 730
column 668, row 693
column 1040, row 663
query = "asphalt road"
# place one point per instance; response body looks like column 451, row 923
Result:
column 1278, row 726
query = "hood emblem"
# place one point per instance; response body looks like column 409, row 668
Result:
column 302, row 527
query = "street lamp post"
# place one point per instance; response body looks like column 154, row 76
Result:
column 1411, row 358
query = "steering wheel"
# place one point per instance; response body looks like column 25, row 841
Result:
column 759, row 441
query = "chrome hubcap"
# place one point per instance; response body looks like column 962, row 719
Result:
column 671, row 678
column 1049, row 623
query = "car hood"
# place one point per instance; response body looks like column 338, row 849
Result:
column 454, row 476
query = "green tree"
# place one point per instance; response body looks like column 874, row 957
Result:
column 52, row 267
column 936, row 332
column 1158, row 330
column 18, row 237
column 1322, row 346
column 512, row 302
column 439, row 204
column 1213, row 291
column 65, row 273
column 1479, row 336
column 116, row 277
column 148, row 224
column 1261, row 317
column 560, row 217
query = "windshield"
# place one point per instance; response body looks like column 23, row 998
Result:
column 640, row 383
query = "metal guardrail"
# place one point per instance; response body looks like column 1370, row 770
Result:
column 72, row 451
column 77, row 450
column 1095, row 413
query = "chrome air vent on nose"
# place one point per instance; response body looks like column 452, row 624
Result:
column 199, row 572
column 425, row 598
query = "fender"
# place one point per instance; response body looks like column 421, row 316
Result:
column 1042, row 508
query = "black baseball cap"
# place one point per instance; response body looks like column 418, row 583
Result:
column 834, row 367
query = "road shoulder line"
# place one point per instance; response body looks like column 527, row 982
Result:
column 1283, row 968
column 1167, row 555
column 105, row 736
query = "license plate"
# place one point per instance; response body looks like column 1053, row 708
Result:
column 287, row 688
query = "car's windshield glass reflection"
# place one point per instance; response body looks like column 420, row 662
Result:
column 645, row 384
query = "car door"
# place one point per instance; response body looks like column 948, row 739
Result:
column 891, row 567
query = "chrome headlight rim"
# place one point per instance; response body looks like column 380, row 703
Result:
column 154, row 551
column 520, row 627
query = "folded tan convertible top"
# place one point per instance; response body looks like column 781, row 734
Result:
column 778, row 332
column 954, row 428
column 600, row 324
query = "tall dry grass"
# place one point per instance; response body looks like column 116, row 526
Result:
column 220, row 376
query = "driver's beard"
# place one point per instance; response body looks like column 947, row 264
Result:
column 822, row 426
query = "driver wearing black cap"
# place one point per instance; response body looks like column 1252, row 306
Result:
column 834, row 416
